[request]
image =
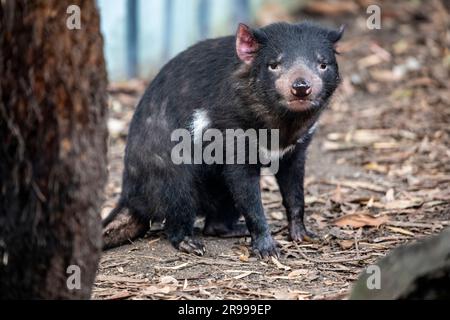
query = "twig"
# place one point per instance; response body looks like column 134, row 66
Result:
column 414, row 225
column 251, row 293
column 342, row 260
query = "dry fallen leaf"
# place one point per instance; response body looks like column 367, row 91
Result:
column 404, row 204
column 369, row 61
column 401, row 231
column 313, row 199
column 320, row 220
column 337, row 146
column 244, row 254
column 363, row 185
column 277, row 215
column 204, row 292
column 280, row 265
column 374, row 166
column 243, row 258
column 360, row 220
column 386, row 145
column 385, row 75
column 367, row 137
column 346, row 244
column 154, row 290
column 297, row 273
column 168, row 280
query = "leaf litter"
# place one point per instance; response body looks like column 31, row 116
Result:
column 377, row 175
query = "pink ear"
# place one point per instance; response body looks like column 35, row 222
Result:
column 246, row 44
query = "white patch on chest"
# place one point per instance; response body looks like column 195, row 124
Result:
column 275, row 154
column 309, row 133
column 313, row 128
column 200, row 121
column 278, row 154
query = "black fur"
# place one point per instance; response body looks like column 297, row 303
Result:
column 210, row 76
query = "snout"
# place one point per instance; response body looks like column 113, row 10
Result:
column 301, row 88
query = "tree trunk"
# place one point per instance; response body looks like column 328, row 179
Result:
column 53, row 149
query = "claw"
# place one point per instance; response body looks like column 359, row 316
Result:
column 300, row 234
column 266, row 248
column 192, row 246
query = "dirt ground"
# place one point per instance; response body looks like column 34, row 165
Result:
column 377, row 177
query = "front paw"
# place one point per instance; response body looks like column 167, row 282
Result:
column 298, row 233
column 265, row 247
column 192, row 246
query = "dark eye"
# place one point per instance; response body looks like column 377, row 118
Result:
column 274, row 66
column 323, row 66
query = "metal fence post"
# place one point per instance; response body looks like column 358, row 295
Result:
column 132, row 38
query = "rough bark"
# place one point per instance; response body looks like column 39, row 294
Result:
column 53, row 148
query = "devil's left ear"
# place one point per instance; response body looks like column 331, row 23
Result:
column 336, row 35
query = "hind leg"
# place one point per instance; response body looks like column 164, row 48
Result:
column 180, row 212
column 170, row 197
column 179, row 228
column 224, row 221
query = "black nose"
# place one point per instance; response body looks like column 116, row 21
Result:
column 301, row 88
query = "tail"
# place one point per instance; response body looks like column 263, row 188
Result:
column 113, row 214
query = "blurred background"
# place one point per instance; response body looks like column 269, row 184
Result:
column 141, row 35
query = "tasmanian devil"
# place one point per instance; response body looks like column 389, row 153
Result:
column 279, row 77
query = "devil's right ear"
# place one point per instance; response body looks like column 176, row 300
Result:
column 336, row 35
column 247, row 44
